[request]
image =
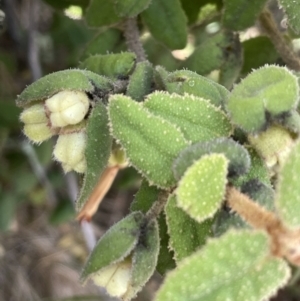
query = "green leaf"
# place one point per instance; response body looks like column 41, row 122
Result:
column 143, row 200
column 104, row 42
column 144, row 260
column 77, row 80
column 110, row 65
column 159, row 54
column 258, row 170
column 239, row 160
column 99, row 143
column 146, row 139
column 241, row 14
column 141, row 81
column 287, row 198
column 202, row 188
column 260, row 192
column 269, row 90
column 186, row 235
column 114, row 245
column 130, row 8
column 258, row 52
column 185, row 81
column 166, row 22
column 212, row 52
column 234, row 267
column 291, row 121
column 291, row 9
column 196, row 117
column 101, row 13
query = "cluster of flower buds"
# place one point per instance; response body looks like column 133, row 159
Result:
column 61, row 114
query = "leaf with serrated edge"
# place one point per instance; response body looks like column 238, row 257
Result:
column 202, row 188
column 97, row 152
column 270, row 89
column 197, row 118
column 114, row 245
column 111, row 65
column 144, row 260
column 74, row 80
column 235, row 267
column 146, row 139
column 186, row 235
column 185, row 81
column 239, row 160
column 287, row 199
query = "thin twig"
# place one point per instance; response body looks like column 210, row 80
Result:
column 33, row 47
column 132, row 36
column 286, row 52
column 87, row 228
column 157, row 206
column 39, row 171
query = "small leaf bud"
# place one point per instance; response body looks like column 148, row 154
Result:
column 35, row 120
column 67, row 107
column 69, row 150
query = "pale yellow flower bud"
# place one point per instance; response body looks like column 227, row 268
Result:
column 69, row 150
column 36, row 123
column 67, row 107
column 273, row 145
column 115, row 278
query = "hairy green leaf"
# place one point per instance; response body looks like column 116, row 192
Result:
column 196, row 117
column 114, row 245
column 77, row 80
column 146, row 139
column 140, row 82
column 202, row 188
column 167, row 22
column 241, row 14
column 288, row 189
column 185, row 81
column 186, row 235
column 270, row 90
column 239, row 160
column 98, row 148
column 234, row 267
column 144, row 260
column 110, row 65
column 143, row 200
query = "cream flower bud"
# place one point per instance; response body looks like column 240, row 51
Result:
column 273, row 145
column 69, row 150
column 115, row 278
column 36, row 123
column 67, row 107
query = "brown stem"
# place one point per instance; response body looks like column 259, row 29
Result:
column 93, row 202
column 132, row 37
column 157, row 206
column 286, row 52
column 285, row 242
